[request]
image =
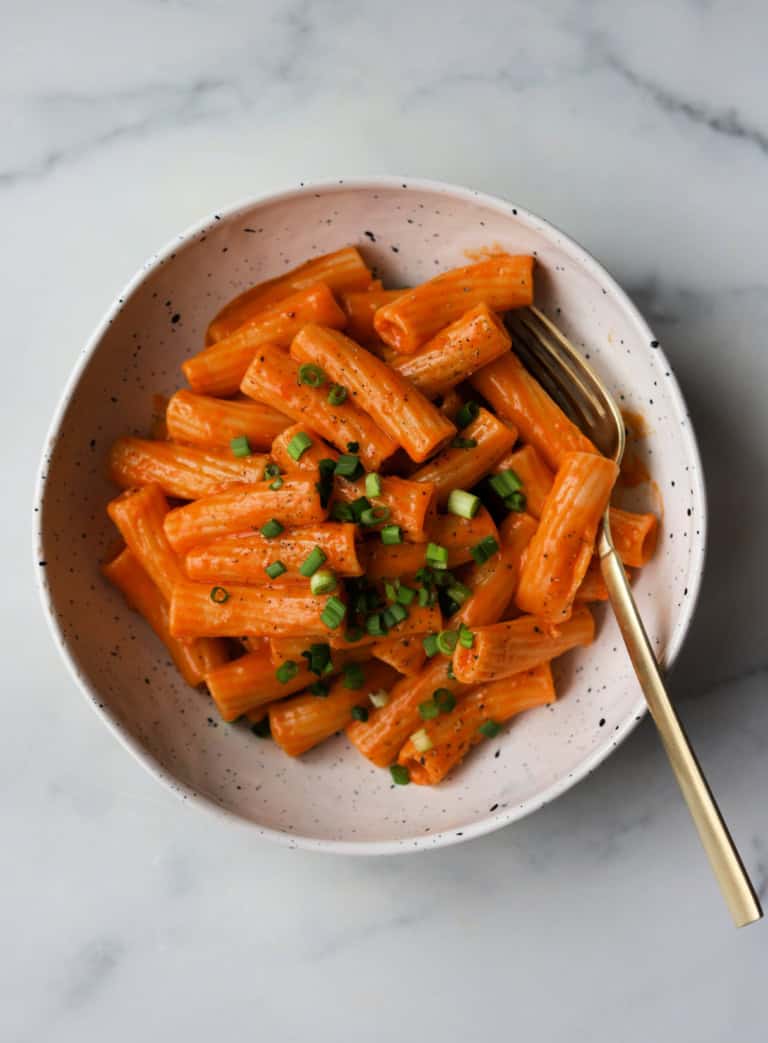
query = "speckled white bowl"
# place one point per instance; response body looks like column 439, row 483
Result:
column 333, row 799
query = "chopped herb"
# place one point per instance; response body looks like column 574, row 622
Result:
column 336, row 394
column 353, row 447
column 463, row 504
column 311, row 375
column 286, row 671
column 437, row 556
column 320, row 688
column 323, row 582
column 298, row 445
column 360, row 713
column 428, row 709
column 430, row 644
column 379, row 698
column 324, row 486
column 353, row 634
column 466, row 637
column 276, row 484
column 484, row 550
column 505, row 483
column 446, row 641
column 400, row 774
column 468, row 412
column 422, row 741
column 515, row 502
column 219, row 595
column 374, row 515
column 354, row 676
column 391, row 534
column 372, row 485
column 313, row 561
column 458, row 593
column 275, row 569
column 445, row 700
column 271, row 529
column 348, row 466
column 334, row 612
column 374, row 624
column 240, row 446
column 405, row 595
column 490, row 729
column 318, row 657
column 271, row 471
column 342, row 512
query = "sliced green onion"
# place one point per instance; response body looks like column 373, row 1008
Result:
column 320, row 688
column 275, row 569
column 313, row 561
column 391, row 534
column 323, row 582
column 422, row 741
column 286, row 671
column 446, row 641
column 276, row 484
column 428, row 709
column 311, row 375
column 374, row 624
column 298, row 445
column 379, row 698
column 490, row 729
column 360, row 713
column 324, row 486
column 240, row 446
column 342, row 512
column 354, row 676
column 484, row 550
column 271, row 529
column 348, row 466
column 372, row 485
column 358, row 508
column 458, row 593
column 353, row 447
column 334, row 612
column 466, row 637
column 219, row 595
column 261, row 728
column 449, row 672
column 463, row 504
column 430, row 644
column 318, row 657
column 400, row 774
column 375, row 515
column 353, row 634
column 405, row 595
column 337, row 394
column 468, row 412
column 437, row 556
column 445, row 700
column 463, row 443
column 395, row 614
column 425, row 597
column 505, row 482
column 515, row 502
column 390, row 590
column 271, row 471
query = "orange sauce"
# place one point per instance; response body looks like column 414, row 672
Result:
column 633, row 470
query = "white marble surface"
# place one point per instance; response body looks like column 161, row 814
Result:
column 642, row 129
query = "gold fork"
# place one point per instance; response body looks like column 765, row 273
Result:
column 574, row 385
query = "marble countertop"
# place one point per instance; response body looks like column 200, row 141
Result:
column 643, row 131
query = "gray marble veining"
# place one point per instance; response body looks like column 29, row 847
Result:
column 643, row 131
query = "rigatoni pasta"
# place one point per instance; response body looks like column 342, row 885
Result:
column 389, row 530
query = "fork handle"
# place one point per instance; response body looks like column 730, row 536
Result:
column 726, row 864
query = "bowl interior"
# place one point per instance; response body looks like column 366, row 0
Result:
column 332, row 796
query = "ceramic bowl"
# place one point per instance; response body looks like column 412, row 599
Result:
column 333, row 799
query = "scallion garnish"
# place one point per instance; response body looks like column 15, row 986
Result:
column 360, row 713
column 490, row 729
column 466, row 637
column 353, row 447
column 298, row 445
column 313, row 561
column 334, row 612
column 400, row 774
column 275, row 569
column 446, row 641
column 457, row 592
column 436, row 556
column 422, row 741
column 219, row 595
column 372, row 485
column 463, row 504
column 324, row 486
column 405, row 595
column 374, row 624
column 353, row 634
column 318, row 657
column 320, row 688
column 428, row 709
column 445, row 700
column 515, row 502
column 342, row 512
column 505, row 483
column 276, row 484
column 484, row 550
column 391, row 534
column 271, row 471
column 271, row 529
column 240, row 446
column 348, row 466
column 311, row 375
column 468, row 412
column 379, row 698
column 286, row 671
column 374, row 515
column 429, row 641
column 323, row 582
column 358, row 508
column 336, row 394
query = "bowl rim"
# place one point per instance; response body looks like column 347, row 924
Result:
column 490, row 822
